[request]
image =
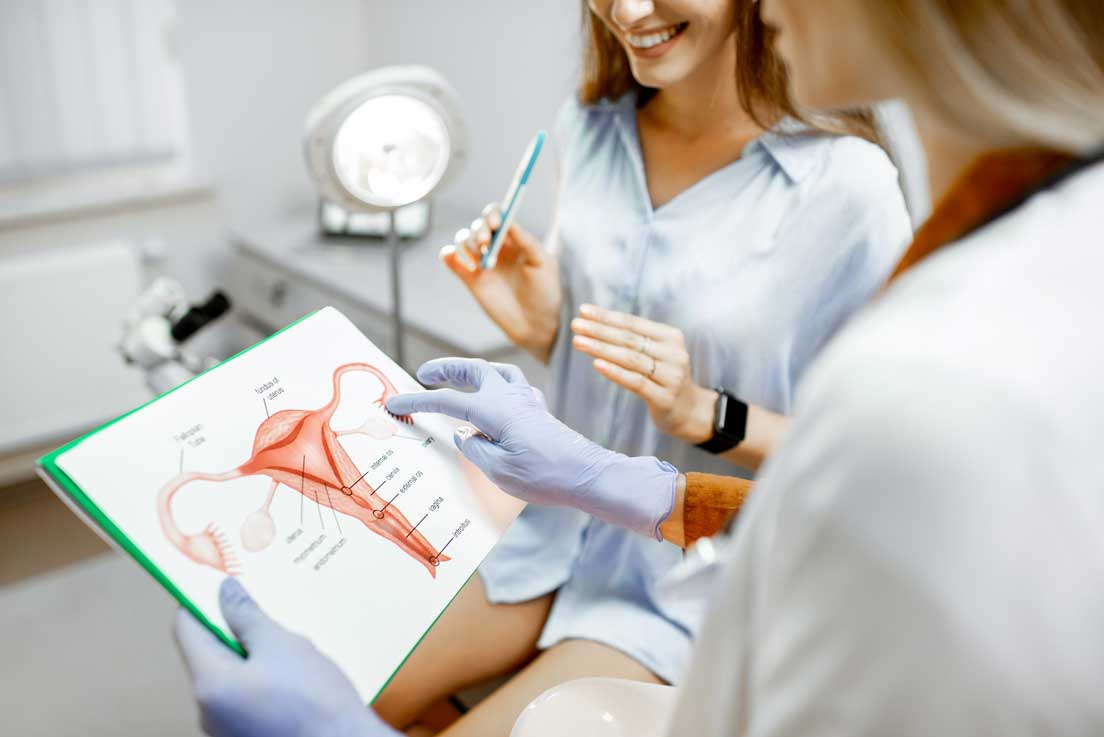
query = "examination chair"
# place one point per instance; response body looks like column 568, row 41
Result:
column 598, row 707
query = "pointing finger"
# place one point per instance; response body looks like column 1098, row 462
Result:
column 440, row 401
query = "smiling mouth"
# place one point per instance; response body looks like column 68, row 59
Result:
column 652, row 39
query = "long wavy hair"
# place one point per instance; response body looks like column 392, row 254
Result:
column 760, row 75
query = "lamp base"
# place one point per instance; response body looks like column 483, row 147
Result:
column 412, row 221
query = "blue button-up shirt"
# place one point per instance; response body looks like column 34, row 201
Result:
column 758, row 264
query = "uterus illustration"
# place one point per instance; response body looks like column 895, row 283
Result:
column 299, row 449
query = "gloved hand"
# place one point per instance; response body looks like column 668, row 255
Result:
column 284, row 688
column 530, row 454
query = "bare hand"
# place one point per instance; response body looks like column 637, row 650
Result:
column 522, row 292
column 650, row 360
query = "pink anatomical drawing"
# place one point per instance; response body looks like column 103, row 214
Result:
column 299, row 449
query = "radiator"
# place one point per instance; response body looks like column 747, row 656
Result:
column 60, row 313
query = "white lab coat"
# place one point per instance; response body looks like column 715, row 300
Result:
column 925, row 555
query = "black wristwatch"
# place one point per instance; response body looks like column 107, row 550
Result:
column 730, row 416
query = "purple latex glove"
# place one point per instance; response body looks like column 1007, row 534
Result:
column 285, row 688
column 530, row 454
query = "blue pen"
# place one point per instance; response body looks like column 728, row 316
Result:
column 512, row 201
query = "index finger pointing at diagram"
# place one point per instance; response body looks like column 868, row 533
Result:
column 441, row 401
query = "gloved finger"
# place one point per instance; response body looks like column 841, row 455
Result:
column 461, row 373
column 514, row 375
column 510, row 372
column 248, row 623
column 203, row 653
column 479, row 449
column 440, row 401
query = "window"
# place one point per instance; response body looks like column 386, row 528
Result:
column 91, row 104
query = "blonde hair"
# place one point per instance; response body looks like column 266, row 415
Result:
column 1034, row 70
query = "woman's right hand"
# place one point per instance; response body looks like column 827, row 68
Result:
column 522, row 292
column 528, row 453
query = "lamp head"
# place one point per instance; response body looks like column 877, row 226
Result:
column 385, row 139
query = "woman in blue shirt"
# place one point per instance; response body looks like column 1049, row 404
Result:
column 743, row 235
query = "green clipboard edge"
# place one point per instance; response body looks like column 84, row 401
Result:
column 48, row 463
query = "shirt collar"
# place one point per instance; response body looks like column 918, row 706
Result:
column 788, row 144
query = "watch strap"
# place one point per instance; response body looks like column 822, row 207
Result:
column 730, row 416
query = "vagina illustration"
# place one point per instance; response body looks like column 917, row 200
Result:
column 299, row 449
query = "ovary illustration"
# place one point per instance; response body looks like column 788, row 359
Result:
column 299, row 449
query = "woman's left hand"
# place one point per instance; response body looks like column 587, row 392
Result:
column 650, row 360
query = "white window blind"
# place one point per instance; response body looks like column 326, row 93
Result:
column 87, row 85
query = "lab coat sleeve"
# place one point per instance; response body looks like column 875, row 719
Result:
column 873, row 590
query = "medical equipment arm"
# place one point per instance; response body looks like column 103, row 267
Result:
column 157, row 329
column 283, row 688
column 530, row 454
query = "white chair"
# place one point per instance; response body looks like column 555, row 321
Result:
column 598, row 707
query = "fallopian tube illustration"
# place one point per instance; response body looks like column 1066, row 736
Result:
column 299, row 449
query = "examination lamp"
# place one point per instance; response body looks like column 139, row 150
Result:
column 380, row 143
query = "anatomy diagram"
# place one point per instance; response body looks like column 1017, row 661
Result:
column 299, row 449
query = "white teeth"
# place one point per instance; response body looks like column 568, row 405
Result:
column 653, row 39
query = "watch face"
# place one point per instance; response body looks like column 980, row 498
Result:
column 721, row 413
column 731, row 418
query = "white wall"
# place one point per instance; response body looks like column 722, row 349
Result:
column 254, row 68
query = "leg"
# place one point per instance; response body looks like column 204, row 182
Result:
column 571, row 659
column 472, row 642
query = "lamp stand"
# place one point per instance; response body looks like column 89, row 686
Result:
column 397, row 328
